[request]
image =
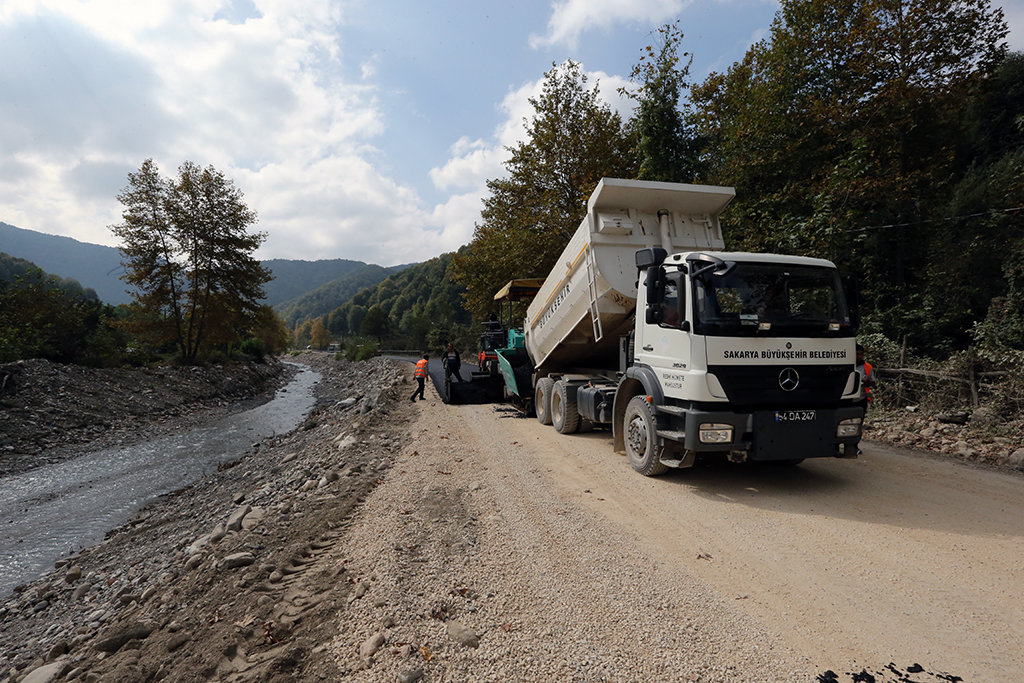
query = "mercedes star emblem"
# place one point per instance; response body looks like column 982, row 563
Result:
column 789, row 379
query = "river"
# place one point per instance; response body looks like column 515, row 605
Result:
column 54, row 510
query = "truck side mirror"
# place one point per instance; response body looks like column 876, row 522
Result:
column 655, row 285
column 650, row 257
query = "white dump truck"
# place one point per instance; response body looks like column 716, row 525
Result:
column 646, row 326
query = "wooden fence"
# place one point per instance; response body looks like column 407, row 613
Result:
column 912, row 385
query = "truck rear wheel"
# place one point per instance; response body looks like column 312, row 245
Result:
column 564, row 414
column 542, row 400
column 639, row 428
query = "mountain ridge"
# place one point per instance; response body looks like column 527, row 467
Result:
column 99, row 267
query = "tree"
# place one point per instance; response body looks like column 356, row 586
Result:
column 188, row 257
column 573, row 140
column 40, row 319
column 270, row 330
column 376, row 323
column 320, row 337
column 840, row 133
column 304, row 334
column 667, row 142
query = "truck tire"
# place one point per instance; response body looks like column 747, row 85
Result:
column 638, row 428
column 542, row 399
column 564, row 414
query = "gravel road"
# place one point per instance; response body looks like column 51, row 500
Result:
column 426, row 542
column 898, row 566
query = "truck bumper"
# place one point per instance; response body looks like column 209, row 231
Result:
column 770, row 434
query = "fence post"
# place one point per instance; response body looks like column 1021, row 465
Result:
column 974, row 388
column 899, row 382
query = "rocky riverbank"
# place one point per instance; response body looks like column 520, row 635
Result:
column 226, row 565
column 50, row 412
column 976, row 438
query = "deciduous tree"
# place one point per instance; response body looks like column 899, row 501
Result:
column 376, row 324
column 320, row 338
column 840, row 131
column 573, row 140
column 188, row 257
column 666, row 139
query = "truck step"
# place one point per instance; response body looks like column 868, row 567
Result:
column 672, row 410
column 671, row 435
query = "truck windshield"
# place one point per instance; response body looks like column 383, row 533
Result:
column 771, row 299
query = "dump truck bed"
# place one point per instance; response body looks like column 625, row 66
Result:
column 589, row 298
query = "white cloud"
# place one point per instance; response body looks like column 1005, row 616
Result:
column 473, row 162
column 570, row 18
column 253, row 89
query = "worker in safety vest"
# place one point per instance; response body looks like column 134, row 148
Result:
column 867, row 375
column 421, row 376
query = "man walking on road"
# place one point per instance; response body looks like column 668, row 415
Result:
column 421, row 376
column 453, row 362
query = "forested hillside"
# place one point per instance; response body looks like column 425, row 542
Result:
column 95, row 266
column 293, row 279
column 14, row 270
column 419, row 306
column 326, row 297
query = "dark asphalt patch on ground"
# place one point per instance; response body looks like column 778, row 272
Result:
column 914, row 673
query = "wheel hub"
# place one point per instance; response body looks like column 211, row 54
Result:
column 637, row 435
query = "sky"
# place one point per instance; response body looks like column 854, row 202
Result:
column 356, row 129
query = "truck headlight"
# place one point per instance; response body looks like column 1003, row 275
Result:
column 849, row 427
column 711, row 432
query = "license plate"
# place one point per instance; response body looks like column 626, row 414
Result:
column 794, row 415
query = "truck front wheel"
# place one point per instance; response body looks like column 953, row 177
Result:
column 542, row 399
column 639, row 427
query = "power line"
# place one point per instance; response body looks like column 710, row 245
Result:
column 990, row 212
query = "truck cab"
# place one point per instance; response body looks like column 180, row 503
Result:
column 751, row 355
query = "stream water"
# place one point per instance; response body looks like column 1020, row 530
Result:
column 57, row 509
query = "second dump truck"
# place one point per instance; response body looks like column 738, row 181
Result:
column 646, row 326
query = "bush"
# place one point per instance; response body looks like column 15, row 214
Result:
column 253, row 347
column 360, row 352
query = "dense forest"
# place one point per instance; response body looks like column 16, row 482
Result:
column 47, row 316
column 324, row 299
column 416, row 308
column 889, row 138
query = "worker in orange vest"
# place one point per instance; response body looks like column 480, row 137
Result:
column 421, row 376
column 867, row 376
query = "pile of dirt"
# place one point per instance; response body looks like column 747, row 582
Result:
column 50, row 412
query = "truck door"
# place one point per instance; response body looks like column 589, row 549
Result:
column 664, row 345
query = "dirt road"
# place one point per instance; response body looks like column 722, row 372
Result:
column 903, row 566
column 889, row 558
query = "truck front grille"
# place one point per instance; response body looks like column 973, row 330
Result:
column 752, row 387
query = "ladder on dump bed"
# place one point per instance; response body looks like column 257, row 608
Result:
column 595, row 314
